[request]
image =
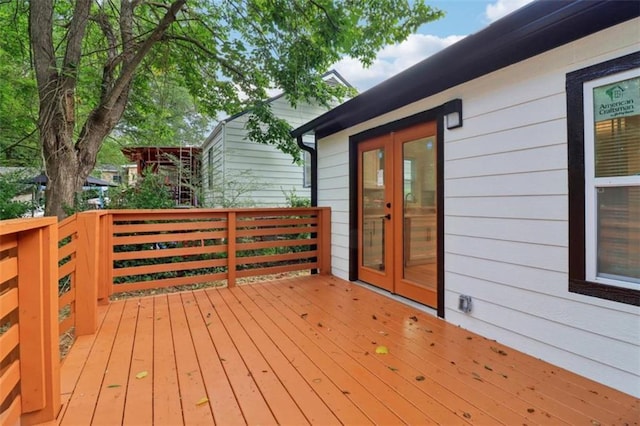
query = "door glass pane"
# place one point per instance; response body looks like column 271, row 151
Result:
column 419, row 194
column 373, row 221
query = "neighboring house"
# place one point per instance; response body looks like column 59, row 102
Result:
column 470, row 183
column 238, row 171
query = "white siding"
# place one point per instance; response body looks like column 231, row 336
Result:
column 506, row 216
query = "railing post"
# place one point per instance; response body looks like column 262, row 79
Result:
column 324, row 240
column 87, row 262
column 38, row 301
column 105, row 280
column 231, row 249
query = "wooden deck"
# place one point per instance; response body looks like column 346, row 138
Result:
column 304, row 350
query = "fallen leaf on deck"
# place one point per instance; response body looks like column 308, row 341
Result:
column 414, row 318
column 466, row 415
column 392, row 368
column 303, row 315
column 498, row 351
column 202, row 401
column 420, row 378
column 382, row 350
column 486, row 367
column 530, row 410
column 142, row 375
column 113, row 386
column 374, row 317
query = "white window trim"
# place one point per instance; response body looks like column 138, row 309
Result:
column 592, row 183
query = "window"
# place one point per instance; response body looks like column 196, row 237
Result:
column 604, row 180
column 306, row 173
column 210, row 168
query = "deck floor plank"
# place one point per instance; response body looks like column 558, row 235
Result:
column 82, row 403
column 166, row 392
column 331, row 370
column 312, row 406
column 384, row 395
column 139, row 404
column 527, row 382
column 254, row 407
column 412, row 342
column 303, row 350
column 222, row 400
column 273, row 391
column 390, row 368
column 337, row 401
column 110, row 404
column 190, row 381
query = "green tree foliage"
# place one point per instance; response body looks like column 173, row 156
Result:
column 93, row 59
column 149, row 192
column 12, row 185
column 18, row 94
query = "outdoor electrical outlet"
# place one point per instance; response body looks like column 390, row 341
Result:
column 464, row 303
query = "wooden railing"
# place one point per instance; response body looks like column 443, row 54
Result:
column 53, row 275
column 161, row 248
column 29, row 361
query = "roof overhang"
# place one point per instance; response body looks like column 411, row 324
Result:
column 534, row 29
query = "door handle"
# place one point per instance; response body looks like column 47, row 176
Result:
column 387, row 216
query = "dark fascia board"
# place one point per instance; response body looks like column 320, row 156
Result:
column 536, row 28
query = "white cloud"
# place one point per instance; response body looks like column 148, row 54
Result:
column 500, row 8
column 393, row 59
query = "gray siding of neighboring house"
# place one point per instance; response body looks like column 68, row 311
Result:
column 269, row 172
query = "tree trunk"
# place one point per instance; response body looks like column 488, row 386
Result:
column 68, row 162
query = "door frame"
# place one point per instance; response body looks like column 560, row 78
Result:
column 435, row 114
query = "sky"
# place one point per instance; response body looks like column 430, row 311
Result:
column 462, row 17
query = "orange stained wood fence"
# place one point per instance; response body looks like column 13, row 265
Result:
column 29, row 361
column 160, row 248
column 52, row 276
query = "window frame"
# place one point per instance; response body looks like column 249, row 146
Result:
column 581, row 245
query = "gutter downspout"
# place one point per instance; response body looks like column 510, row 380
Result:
column 314, row 169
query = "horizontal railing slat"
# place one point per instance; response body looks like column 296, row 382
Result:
column 169, row 252
column 8, row 302
column 8, row 269
column 66, row 269
column 9, row 379
column 275, row 269
column 67, row 250
column 272, row 222
column 155, row 215
column 275, row 243
column 168, row 237
column 262, row 232
column 169, row 282
column 169, row 267
column 67, row 324
column 169, row 226
column 8, row 242
column 67, row 298
column 12, row 414
column 246, row 260
column 9, row 340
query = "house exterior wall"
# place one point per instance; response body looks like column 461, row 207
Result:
column 257, row 174
column 506, row 214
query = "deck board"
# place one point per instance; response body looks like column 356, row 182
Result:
column 303, row 351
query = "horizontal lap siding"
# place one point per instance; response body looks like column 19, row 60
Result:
column 273, row 171
column 506, row 225
column 506, row 214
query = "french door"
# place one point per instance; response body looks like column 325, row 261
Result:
column 397, row 211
